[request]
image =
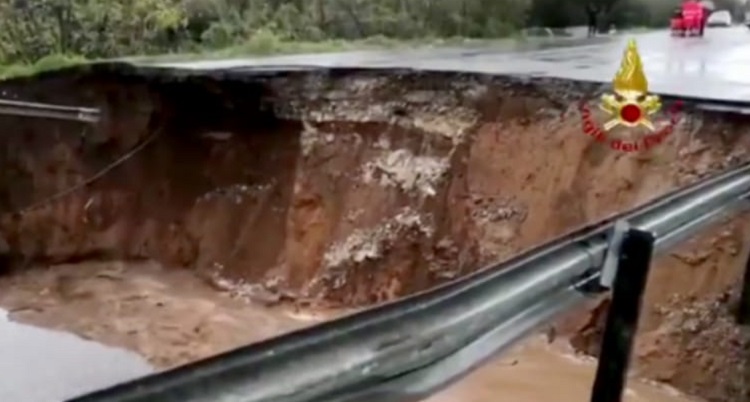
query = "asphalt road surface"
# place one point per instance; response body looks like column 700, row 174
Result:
column 713, row 67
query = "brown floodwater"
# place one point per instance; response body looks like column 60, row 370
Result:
column 537, row 371
column 171, row 317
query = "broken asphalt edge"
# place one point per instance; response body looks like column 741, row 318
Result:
column 177, row 74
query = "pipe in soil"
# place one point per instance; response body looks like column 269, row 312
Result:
column 37, row 110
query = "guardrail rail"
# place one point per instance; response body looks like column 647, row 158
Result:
column 410, row 348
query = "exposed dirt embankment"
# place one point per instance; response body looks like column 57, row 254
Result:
column 687, row 335
column 349, row 187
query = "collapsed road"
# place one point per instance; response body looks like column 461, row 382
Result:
column 289, row 197
column 709, row 68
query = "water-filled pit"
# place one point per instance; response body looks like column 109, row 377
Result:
column 209, row 211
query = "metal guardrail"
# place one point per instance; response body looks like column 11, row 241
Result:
column 408, row 349
column 48, row 111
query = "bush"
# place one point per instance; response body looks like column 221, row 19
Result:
column 263, row 41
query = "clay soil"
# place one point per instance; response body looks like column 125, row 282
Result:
column 205, row 212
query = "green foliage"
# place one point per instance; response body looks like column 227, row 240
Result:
column 35, row 28
column 37, row 32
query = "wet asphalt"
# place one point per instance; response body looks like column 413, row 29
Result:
column 714, row 67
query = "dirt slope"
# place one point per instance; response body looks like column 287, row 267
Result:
column 344, row 187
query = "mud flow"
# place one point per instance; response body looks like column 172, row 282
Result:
column 207, row 212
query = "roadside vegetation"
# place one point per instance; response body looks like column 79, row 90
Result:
column 38, row 35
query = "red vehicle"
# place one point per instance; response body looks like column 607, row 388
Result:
column 688, row 20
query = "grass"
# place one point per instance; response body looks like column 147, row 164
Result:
column 269, row 45
column 47, row 63
column 261, row 44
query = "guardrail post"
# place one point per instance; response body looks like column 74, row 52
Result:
column 629, row 285
column 743, row 309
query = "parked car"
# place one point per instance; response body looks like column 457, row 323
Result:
column 721, row 18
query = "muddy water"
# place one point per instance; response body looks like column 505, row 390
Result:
column 41, row 365
column 171, row 318
column 539, row 372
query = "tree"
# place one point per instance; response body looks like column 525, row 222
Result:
column 33, row 29
column 556, row 13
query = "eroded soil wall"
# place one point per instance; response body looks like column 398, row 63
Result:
column 348, row 186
